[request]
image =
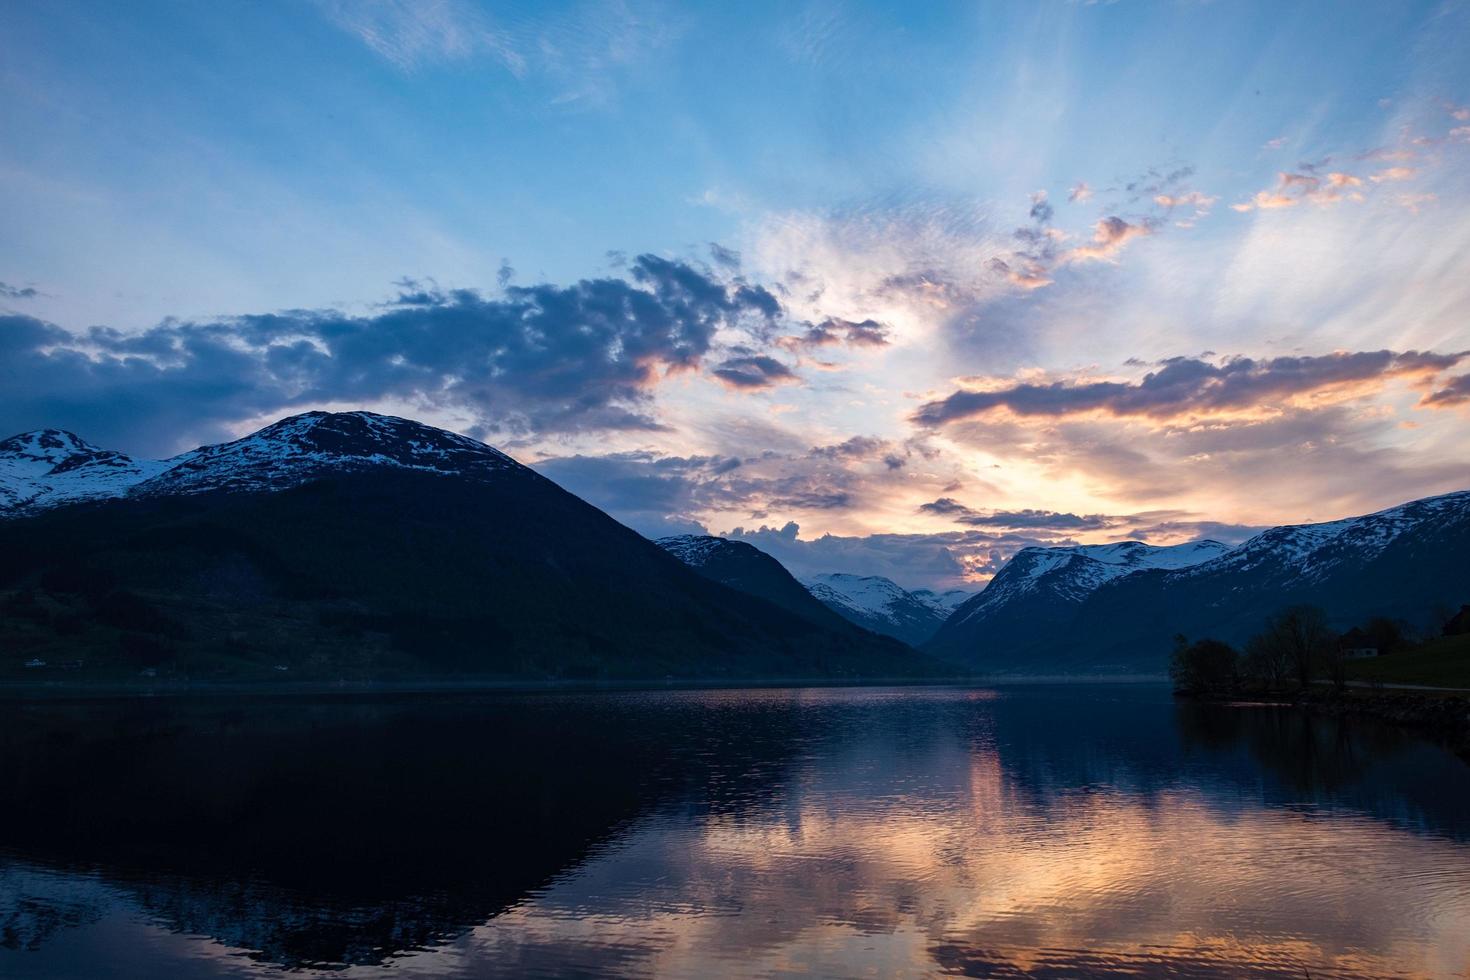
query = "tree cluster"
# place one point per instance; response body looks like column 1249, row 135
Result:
column 1295, row 647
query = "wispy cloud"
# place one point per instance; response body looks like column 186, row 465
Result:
column 8, row 291
column 414, row 33
column 1296, row 188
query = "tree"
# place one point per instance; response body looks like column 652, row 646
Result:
column 1267, row 659
column 1300, row 636
column 1204, row 665
column 1386, row 634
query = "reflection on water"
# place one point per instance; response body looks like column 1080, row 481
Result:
column 1044, row 831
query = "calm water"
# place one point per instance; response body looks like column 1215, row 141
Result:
column 1048, row 831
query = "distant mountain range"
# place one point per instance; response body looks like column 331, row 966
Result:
column 881, row 605
column 1100, row 608
column 359, row 546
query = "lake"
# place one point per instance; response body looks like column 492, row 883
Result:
column 1038, row 831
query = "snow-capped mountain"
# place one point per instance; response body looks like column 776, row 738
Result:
column 945, row 602
column 1118, row 606
column 883, row 606
column 1070, row 574
column 303, row 447
column 747, row 569
column 48, row 468
column 353, row 545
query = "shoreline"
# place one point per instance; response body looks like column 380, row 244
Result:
column 1443, row 714
column 99, row 691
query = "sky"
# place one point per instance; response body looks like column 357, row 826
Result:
column 879, row 288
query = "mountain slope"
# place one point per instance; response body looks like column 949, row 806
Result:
column 944, row 603
column 1405, row 562
column 1033, row 598
column 747, row 569
column 51, row 467
column 357, row 546
column 881, row 605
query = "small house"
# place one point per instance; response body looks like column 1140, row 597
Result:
column 1357, row 645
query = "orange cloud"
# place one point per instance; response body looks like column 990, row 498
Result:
column 1109, row 237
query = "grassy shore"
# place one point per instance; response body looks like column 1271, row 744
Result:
column 1441, row 662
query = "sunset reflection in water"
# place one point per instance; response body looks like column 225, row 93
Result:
column 1026, row 833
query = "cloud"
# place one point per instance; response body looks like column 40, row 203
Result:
column 1294, row 188
column 1456, row 391
column 1079, row 192
column 1198, row 203
column 644, row 489
column 1109, row 237
column 834, row 330
column 534, row 359
column 1179, row 531
column 1394, row 173
column 1027, row 519
column 753, row 371
column 954, row 559
column 726, row 257
column 8, row 291
column 412, row 33
column 1187, row 386
column 570, row 58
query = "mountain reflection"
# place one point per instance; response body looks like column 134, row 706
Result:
column 1035, row 832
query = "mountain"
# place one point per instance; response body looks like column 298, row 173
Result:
column 357, row 546
column 50, row 467
column 1033, row 598
column 881, row 605
column 745, row 568
column 944, row 603
column 1083, row 610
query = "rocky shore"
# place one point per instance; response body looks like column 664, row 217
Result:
column 1446, row 716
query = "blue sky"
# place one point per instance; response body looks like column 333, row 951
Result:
column 1014, row 196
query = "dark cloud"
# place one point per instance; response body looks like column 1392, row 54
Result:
column 1188, row 385
column 1041, row 211
column 753, row 371
column 864, row 333
column 8, row 291
column 815, row 500
column 1155, row 181
column 1231, row 534
column 858, row 447
column 727, row 257
column 647, row 490
column 655, row 495
column 1456, row 391
column 1036, row 520
column 542, row 358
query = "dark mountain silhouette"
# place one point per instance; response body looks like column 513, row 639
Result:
column 747, row 569
column 357, row 546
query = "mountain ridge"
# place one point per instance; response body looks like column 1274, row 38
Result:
column 1057, row 610
column 883, row 606
column 353, row 546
